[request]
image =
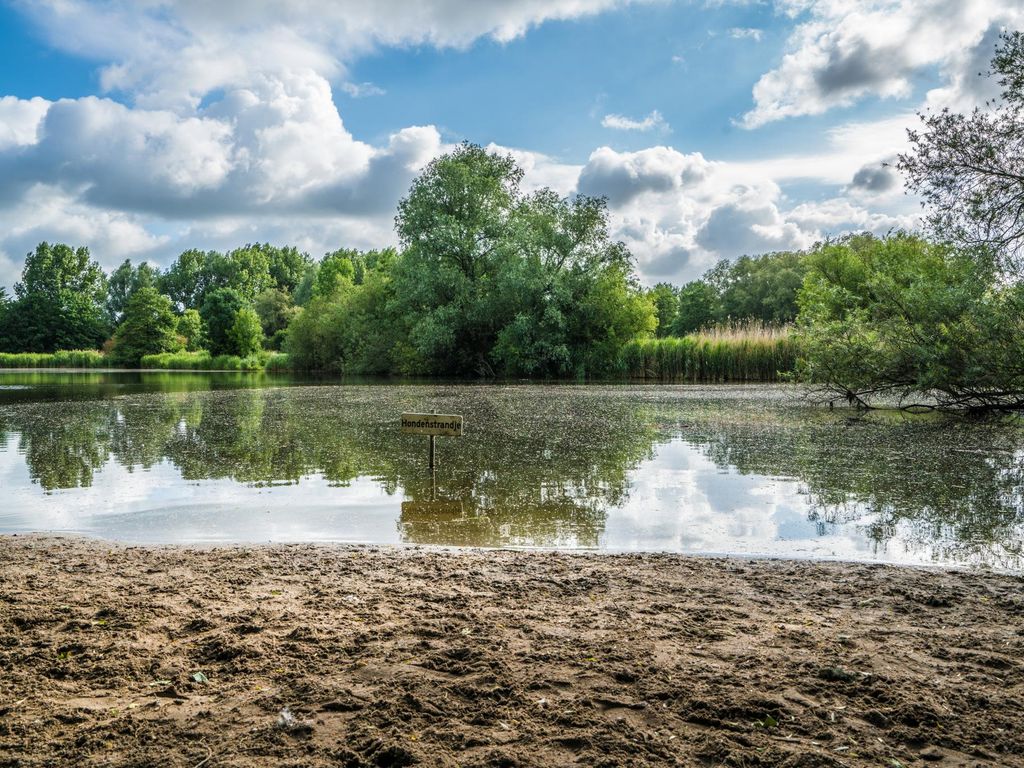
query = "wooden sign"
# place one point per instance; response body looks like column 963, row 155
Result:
column 432, row 424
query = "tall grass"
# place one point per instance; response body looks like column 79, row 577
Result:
column 73, row 358
column 203, row 361
column 189, row 361
column 747, row 352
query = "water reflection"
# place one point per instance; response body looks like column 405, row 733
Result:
column 652, row 468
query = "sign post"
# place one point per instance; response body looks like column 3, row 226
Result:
column 432, row 424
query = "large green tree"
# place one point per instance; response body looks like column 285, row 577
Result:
column 493, row 281
column 245, row 333
column 219, row 311
column 124, row 282
column 60, row 302
column 699, row 307
column 149, row 327
column 455, row 225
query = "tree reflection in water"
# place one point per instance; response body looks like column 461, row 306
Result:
column 543, row 465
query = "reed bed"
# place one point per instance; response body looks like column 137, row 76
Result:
column 72, row 358
column 203, row 361
column 726, row 353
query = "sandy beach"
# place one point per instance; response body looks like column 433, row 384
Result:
column 359, row 656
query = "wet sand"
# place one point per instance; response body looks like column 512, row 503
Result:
column 358, row 656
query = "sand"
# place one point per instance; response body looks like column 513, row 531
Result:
column 358, row 656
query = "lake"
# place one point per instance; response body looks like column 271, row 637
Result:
column 199, row 457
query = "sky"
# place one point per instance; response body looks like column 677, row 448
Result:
column 715, row 128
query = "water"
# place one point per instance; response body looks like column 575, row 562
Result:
column 168, row 457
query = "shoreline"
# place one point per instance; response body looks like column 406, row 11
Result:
column 455, row 549
column 364, row 655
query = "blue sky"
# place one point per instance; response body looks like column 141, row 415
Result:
column 714, row 128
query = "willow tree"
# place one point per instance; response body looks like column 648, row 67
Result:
column 969, row 168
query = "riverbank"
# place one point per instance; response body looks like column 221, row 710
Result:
column 315, row 656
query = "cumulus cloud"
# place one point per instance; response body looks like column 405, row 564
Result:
column 168, row 53
column 622, row 176
column 652, row 121
column 46, row 213
column 875, row 178
column 277, row 145
column 847, row 50
column 19, row 120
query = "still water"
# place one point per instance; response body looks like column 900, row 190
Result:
column 181, row 457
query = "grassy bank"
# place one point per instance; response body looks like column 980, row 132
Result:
column 75, row 358
column 204, row 361
column 747, row 353
column 191, row 361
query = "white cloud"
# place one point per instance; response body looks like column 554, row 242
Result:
column 168, row 53
column 848, row 50
column 652, row 121
column 362, row 90
column 19, row 120
column 46, row 213
column 746, row 33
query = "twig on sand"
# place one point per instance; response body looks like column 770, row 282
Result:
column 205, row 760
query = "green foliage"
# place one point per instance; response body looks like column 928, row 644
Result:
column 204, row 361
column 190, row 328
column 123, row 283
column 742, row 354
column 187, row 280
column 914, row 320
column 59, row 305
column 76, row 358
column 149, row 327
column 495, row 282
column 218, row 313
column 337, row 272
column 287, row 266
column 276, row 311
column 348, row 331
column 249, row 270
column 246, row 334
column 698, row 308
column 763, row 288
column 666, row 307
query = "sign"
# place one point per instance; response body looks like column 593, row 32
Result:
column 432, row 424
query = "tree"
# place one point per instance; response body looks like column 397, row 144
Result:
column 125, row 281
column 218, row 312
column 275, row 310
column 187, row 280
column 60, row 302
column 699, row 307
column 454, row 225
column 190, row 328
column 337, row 271
column 763, row 288
column 913, row 320
column 286, row 265
column 245, row 269
column 666, row 307
column 149, row 327
column 969, row 169
column 245, row 334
